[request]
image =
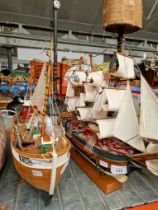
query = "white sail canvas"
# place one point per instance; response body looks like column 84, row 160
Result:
column 82, row 99
column 126, row 67
column 149, row 112
column 38, row 96
column 126, row 126
column 70, row 91
column 102, row 114
column 86, row 114
column 114, row 97
column 96, row 78
column 99, row 101
column 152, row 165
column 105, row 128
column 91, row 92
column 73, row 102
column 78, row 78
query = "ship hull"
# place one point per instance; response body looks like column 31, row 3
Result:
column 39, row 170
column 105, row 161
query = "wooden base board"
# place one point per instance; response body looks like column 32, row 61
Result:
column 3, row 208
column 106, row 183
column 21, row 180
column 150, row 206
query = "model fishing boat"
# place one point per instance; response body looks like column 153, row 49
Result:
column 39, row 146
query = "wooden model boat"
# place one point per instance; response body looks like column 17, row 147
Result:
column 43, row 171
column 39, row 146
column 107, row 131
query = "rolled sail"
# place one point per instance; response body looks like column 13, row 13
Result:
column 122, row 14
column 149, row 112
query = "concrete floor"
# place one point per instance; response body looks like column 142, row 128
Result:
column 75, row 192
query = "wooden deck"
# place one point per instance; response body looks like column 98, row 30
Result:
column 76, row 192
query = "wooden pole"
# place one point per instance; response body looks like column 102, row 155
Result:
column 81, row 62
column 91, row 61
column 121, row 41
column 144, row 156
column 55, row 41
column 48, row 87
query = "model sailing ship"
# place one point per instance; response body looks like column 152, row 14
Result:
column 39, row 146
column 105, row 127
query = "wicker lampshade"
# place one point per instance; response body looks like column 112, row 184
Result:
column 125, row 15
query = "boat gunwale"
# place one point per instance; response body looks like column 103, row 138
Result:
column 41, row 156
column 101, row 153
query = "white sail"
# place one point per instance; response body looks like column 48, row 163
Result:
column 126, row 67
column 126, row 126
column 96, row 78
column 70, row 91
column 91, row 92
column 149, row 112
column 38, row 96
column 152, row 165
column 105, row 107
column 71, row 70
column 78, row 78
column 82, row 99
column 114, row 97
column 73, row 102
column 105, row 128
column 99, row 101
column 86, row 114
column 97, row 115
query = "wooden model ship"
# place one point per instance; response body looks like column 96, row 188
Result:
column 105, row 127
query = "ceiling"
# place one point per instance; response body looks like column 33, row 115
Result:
column 75, row 15
column 26, row 23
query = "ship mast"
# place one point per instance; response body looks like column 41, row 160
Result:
column 56, row 6
column 121, row 41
